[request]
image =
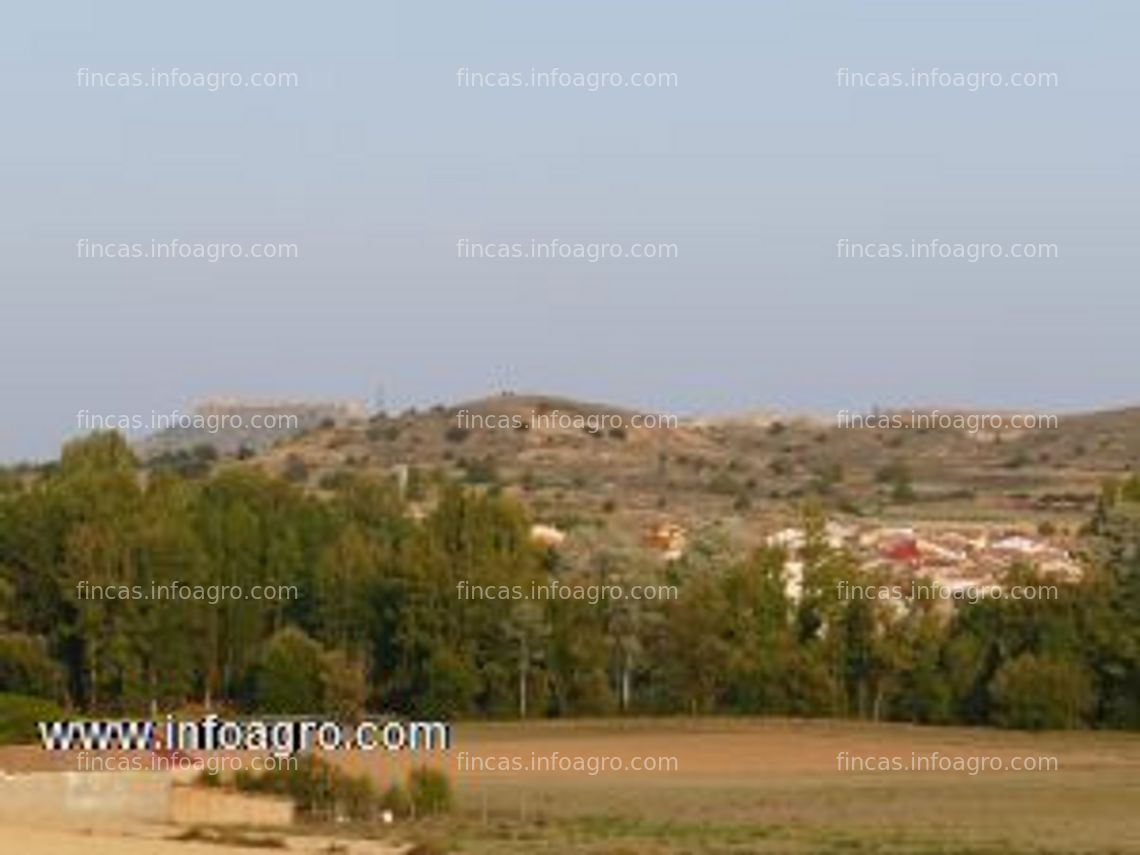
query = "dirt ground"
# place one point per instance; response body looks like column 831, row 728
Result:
column 724, row 785
column 711, row 750
column 731, row 785
column 150, row 841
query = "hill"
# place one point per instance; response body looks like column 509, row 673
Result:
column 587, row 465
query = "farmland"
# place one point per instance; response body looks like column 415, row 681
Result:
column 731, row 786
column 775, row 786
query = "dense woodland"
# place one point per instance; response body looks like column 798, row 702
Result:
column 378, row 625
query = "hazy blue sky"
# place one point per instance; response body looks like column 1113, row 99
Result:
column 754, row 166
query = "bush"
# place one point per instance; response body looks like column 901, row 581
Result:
column 204, row 452
column 1038, row 693
column 430, row 791
column 323, row 792
column 336, row 480
column 248, row 782
column 827, row 476
column 19, row 715
column 317, row 789
column 355, row 797
column 1130, row 490
column 723, row 484
column 1018, row 460
column 456, row 433
column 893, row 472
column 483, row 470
column 387, row 433
column 898, row 475
column 902, row 492
column 416, row 488
column 398, row 800
column 296, row 470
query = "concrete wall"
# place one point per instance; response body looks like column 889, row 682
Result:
column 118, row 798
column 84, row 798
column 201, row 806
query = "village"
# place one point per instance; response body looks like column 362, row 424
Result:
column 955, row 558
column 947, row 560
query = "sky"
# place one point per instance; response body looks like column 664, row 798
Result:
column 377, row 163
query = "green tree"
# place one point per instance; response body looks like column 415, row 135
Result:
column 1036, row 693
column 288, row 677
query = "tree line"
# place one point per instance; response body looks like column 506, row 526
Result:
column 378, row 625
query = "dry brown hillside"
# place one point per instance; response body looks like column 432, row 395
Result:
column 740, row 476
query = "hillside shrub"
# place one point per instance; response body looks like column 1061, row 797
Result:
column 456, row 433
